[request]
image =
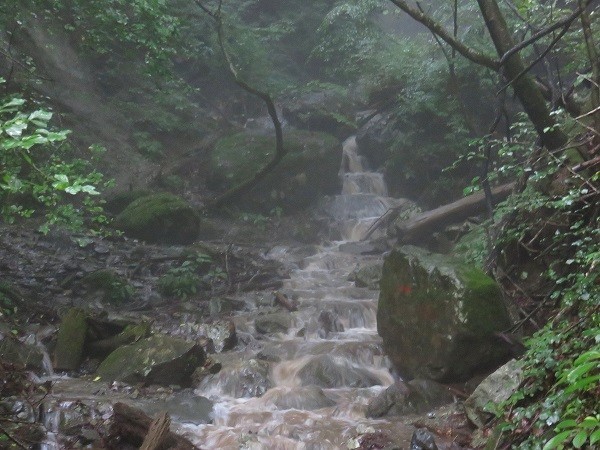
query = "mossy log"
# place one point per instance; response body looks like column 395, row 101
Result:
column 419, row 227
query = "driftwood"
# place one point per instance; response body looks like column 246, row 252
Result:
column 158, row 433
column 135, row 427
column 419, row 227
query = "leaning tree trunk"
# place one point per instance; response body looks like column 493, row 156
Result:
column 523, row 84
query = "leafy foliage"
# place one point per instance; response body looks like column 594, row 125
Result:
column 39, row 172
column 552, row 228
column 184, row 281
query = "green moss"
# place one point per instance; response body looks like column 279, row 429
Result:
column 484, row 313
column 307, row 170
column 160, row 218
column 70, row 341
column 437, row 316
column 120, row 201
column 158, row 359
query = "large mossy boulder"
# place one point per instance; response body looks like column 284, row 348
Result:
column 158, row 359
column 307, row 172
column 160, row 218
column 438, row 317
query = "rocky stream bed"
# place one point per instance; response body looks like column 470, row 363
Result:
column 275, row 347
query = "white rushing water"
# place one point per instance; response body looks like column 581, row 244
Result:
column 305, row 388
column 347, row 363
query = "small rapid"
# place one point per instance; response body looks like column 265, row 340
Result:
column 308, row 387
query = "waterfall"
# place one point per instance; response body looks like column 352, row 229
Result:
column 329, row 363
column 364, row 197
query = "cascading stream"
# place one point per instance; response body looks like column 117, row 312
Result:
column 303, row 385
column 323, row 371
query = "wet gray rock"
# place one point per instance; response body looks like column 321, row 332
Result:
column 225, row 305
column 222, row 333
column 182, row 406
column 16, row 352
column 305, row 398
column 422, row 439
column 494, row 389
column 415, row 397
column 210, row 367
column 249, row 379
column 368, row 275
column 273, row 323
column 327, row 371
column 329, row 322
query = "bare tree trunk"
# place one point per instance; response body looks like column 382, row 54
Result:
column 524, row 86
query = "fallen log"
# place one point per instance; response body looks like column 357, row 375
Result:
column 158, row 433
column 416, row 229
column 133, row 426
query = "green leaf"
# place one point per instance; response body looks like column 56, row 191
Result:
column 89, row 189
column 577, row 372
column 566, row 424
column 582, row 384
column 580, row 439
column 592, row 354
column 590, row 422
column 16, row 129
column 595, row 437
column 40, row 116
column 61, row 177
column 14, row 102
column 557, row 440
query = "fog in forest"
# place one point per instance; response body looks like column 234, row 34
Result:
column 273, row 224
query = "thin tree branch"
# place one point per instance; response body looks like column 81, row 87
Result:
column 537, row 59
column 435, row 27
column 235, row 192
column 566, row 23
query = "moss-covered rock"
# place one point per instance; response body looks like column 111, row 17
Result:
column 131, row 333
column 160, row 218
column 328, row 110
column 122, row 200
column 437, row 316
column 71, row 339
column 113, row 287
column 158, row 359
column 308, row 171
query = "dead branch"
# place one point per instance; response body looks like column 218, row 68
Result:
column 236, row 192
column 133, row 426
